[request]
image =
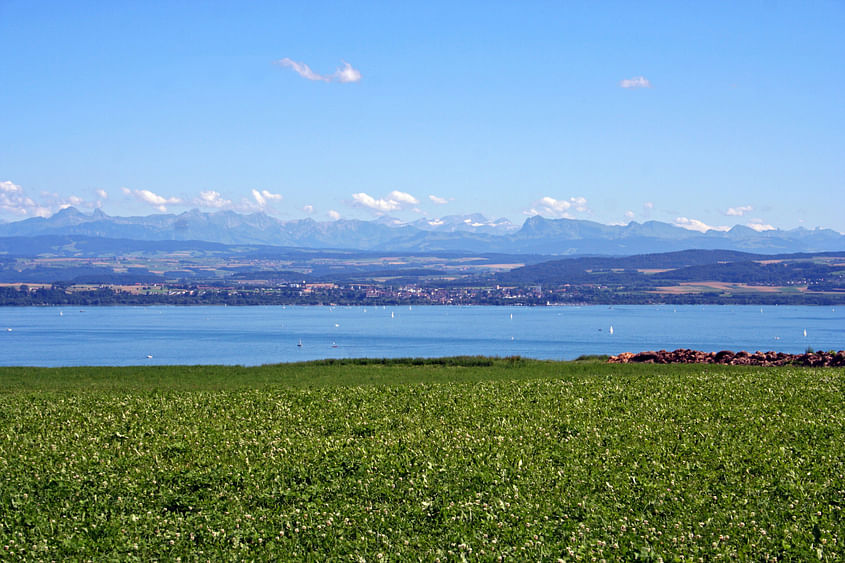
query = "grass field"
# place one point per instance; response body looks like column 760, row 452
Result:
column 468, row 458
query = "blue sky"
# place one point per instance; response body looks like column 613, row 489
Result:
column 704, row 114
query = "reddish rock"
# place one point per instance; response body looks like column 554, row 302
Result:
column 645, row 357
column 723, row 357
column 741, row 358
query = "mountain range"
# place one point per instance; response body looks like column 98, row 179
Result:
column 466, row 233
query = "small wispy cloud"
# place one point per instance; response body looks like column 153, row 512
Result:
column 696, row 225
column 629, row 214
column 333, row 215
column 309, row 209
column 739, row 211
column 102, row 194
column 301, row 69
column 394, row 201
column 345, row 74
column 635, row 82
column 438, row 200
column 153, row 199
column 559, row 208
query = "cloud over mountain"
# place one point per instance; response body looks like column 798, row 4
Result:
column 394, row 201
column 558, row 208
column 15, row 201
column 157, row 201
column 696, row 225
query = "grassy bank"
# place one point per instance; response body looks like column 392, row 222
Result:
column 472, row 458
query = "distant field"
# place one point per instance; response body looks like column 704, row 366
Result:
column 463, row 458
column 685, row 288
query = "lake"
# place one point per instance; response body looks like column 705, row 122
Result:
column 120, row 336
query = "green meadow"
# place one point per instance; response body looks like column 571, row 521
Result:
column 453, row 459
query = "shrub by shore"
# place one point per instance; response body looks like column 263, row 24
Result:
column 727, row 357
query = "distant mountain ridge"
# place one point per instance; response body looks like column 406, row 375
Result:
column 469, row 233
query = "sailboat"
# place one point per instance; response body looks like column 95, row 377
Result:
column 805, row 333
column 392, row 315
column 611, row 329
column 300, row 343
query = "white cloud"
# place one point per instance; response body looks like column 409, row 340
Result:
column 629, row 214
column 648, row 205
column 309, row 209
column 10, row 187
column 346, row 74
column 635, row 82
column 759, row 226
column 438, row 200
column 263, row 198
column 151, row 198
column 212, row 199
column 333, row 215
column 402, row 197
column 259, row 202
column 394, row 201
column 103, row 194
column 739, row 211
column 559, row 208
column 696, row 225
column 367, row 200
column 15, row 201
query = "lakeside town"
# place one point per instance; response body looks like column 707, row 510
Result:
column 331, row 293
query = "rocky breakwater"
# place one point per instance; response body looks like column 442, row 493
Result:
column 727, row 357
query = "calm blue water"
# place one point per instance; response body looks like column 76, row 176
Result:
column 53, row 336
